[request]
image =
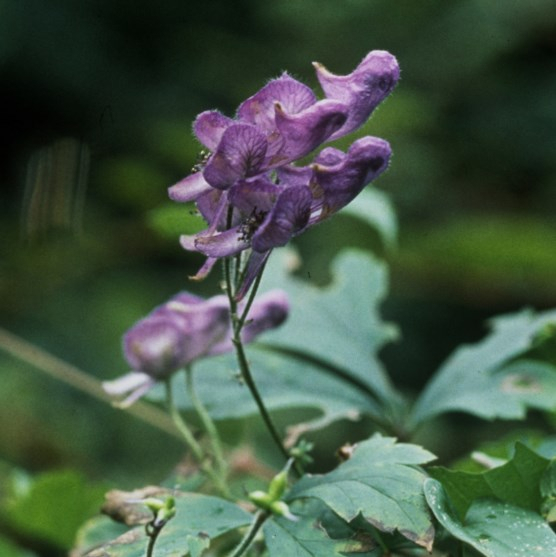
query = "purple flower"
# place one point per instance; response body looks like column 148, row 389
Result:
column 249, row 190
column 183, row 330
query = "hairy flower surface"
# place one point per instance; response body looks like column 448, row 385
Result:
column 183, row 330
column 250, row 191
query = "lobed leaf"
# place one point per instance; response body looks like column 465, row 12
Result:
column 339, row 324
column 480, row 380
column 304, row 538
column 284, row 383
column 492, row 527
column 516, row 482
column 381, row 483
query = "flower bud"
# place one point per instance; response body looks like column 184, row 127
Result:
column 281, row 508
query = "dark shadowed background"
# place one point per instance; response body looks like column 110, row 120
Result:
column 96, row 101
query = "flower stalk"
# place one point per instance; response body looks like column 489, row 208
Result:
column 238, row 323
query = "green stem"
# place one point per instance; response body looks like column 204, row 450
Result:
column 183, row 428
column 237, row 324
column 250, row 535
column 249, row 381
column 208, row 424
column 250, row 300
column 153, row 535
column 192, row 443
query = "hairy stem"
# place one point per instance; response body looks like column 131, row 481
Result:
column 250, row 535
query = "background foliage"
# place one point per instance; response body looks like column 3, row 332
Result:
column 97, row 101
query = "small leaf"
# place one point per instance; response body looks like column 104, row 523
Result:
column 493, row 528
column 380, row 482
column 478, row 379
column 198, row 518
column 516, row 482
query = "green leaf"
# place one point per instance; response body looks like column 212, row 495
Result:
column 493, row 528
column 309, row 536
column 305, row 539
column 53, row 506
column 516, row 482
column 548, row 492
column 338, row 325
column 479, row 380
column 381, row 482
column 373, row 207
column 197, row 544
column 283, row 382
column 332, row 369
column 198, row 518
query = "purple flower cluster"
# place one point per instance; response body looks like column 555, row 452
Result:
column 183, row 330
column 249, row 190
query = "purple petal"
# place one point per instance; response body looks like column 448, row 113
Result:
column 363, row 89
column 189, row 189
column 294, row 175
column 306, row 130
column 209, row 127
column 203, row 325
column 213, row 205
column 288, row 217
column 255, row 265
column 293, row 95
column 329, row 156
column 155, row 345
column 257, row 195
column 239, row 154
column 224, row 244
column 177, row 303
column 366, row 159
column 203, row 272
column 268, row 311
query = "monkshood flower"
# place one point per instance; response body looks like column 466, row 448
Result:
column 249, row 189
column 185, row 329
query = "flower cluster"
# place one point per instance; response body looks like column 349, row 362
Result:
column 183, row 330
column 248, row 188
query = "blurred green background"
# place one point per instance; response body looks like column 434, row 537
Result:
column 97, row 99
